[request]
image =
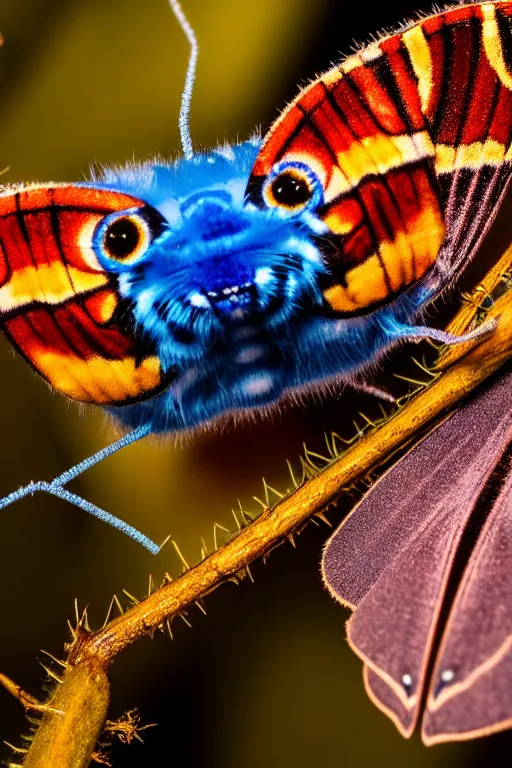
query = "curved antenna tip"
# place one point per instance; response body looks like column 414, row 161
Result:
column 186, row 96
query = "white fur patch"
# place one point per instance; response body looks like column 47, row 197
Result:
column 258, row 385
column 250, row 354
column 199, row 300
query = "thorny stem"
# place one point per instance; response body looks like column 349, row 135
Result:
column 68, row 732
column 83, row 693
column 281, row 520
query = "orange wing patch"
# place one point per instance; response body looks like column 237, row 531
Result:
column 57, row 303
column 375, row 159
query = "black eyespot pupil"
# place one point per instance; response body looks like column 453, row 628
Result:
column 122, row 238
column 291, row 190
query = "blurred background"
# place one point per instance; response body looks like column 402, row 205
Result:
column 266, row 678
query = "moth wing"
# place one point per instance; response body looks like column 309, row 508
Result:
column 390, row 560
column 411, row 139
column 371, row 150
column 471, row 686
column 59, row 306
column 470, row 115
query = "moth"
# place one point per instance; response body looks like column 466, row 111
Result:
column 171, row 295
column 432, row 623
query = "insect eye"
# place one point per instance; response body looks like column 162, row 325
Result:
column 125, row 239
column 293, row 188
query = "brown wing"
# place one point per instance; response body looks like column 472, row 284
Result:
column 390, row 561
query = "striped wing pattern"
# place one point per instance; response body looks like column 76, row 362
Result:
column 58, row 305
column 411, row 139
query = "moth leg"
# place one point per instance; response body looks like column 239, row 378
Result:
column 104, row 453
column 424, row 332
column 56, row 487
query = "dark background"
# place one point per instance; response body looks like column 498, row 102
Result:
column 267, row 678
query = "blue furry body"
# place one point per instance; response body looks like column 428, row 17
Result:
column 230, row 297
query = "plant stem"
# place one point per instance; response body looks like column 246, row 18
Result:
column 69, row 730
column 67, row 740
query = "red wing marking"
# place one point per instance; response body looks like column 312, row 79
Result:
column 57, row 303
column 434, row 99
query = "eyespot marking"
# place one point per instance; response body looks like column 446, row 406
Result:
column 125, row 239
column 292, row 187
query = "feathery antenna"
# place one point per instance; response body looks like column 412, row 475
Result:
column 186, row 96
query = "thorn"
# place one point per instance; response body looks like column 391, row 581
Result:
column 329, row 446
column 246, row 517
column 368, row 421
column 339, row 451
column 318, row 456
column 308, row 470
column 72, row 630
column 167, row 578
column 183, row 618
column 423, row 367
column 169, row 629
column 267, row 553
column 263, row 505
column 415, row 382
column 50, row 673
column 164, row 542
column 221, row 528
column 290, row 469
column 47, row 708
column 238, row 525
column 119, row 605
column 204, row 549
column 276, row 493
column 82, row 621
column 358, row 430
column 265, row 490
column 63, row 664
column 268, row 490
column 130, row 597
column 19, row 750
column 201, row 607
column 180, row 555
column 151, row 585
column 34, row 721
column 249, row 573
column 322, row 517
column 291, row 539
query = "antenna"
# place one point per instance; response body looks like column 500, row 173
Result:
column 186, row 96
